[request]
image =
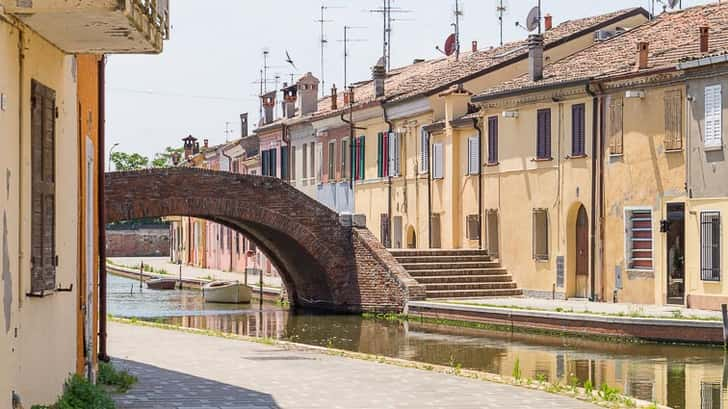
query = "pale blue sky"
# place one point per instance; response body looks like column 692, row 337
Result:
column 206, row 75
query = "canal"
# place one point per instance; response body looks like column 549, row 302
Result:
column 674, row 375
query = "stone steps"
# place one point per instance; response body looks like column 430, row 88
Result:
column 457, row 273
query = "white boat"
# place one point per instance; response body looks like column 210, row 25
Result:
column 229, row 292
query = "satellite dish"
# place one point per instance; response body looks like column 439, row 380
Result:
column 534, row 19
column 450, row 45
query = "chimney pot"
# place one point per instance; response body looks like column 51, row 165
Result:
column 346, row 98
column 475, row 45
column 548, row 22
column 704, row 39
column 206, row 142
column 334, row 97
column 379, row 74
column 643, row 49
column 535, row 57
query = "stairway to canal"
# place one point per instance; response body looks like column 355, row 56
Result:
column 457, row 273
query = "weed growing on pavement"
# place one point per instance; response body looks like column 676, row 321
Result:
column 517, row 370
column 573, row 382
column 79, row 393
column 540, row 378
column 588, row 387
column 608, row 393
column 110, row 376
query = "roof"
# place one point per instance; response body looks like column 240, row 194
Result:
column 672, row 37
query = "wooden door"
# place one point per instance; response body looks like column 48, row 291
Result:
column 582, row 252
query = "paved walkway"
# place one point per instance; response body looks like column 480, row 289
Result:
column 179, row 370
column 626, row 309
column 195, row 272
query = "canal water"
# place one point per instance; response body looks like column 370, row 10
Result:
column 674, row 375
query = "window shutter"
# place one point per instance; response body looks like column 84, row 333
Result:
column 312, row 160
column 543, row 144
column 272, row 162
column 472, row 227
column 395, row 154
column 304, row 168
column 615, row 123
column 380, row 154
column 473, row 156
column 293, row 163
column 437, row 159
column 639, row 239
column 386, row 154
column 43, row 186
column 492, row 232
column 344, row 158
column 493, row 140
column 578, row 138
column 284, row 162
column 319, row 162
column 362, row 151
column 673, row 120
column 424, row 151
column 397, row 239
column 713, row 117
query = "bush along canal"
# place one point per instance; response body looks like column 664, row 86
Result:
column 679, row 376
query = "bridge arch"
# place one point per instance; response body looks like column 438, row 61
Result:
column 323, row 263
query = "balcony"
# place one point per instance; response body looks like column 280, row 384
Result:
column 96, row 26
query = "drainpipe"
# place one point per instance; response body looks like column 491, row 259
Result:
column 101, row 203
column 21, row 131
column 592, row 234
column 429, row 190
column 389, row 177
column 480, row 182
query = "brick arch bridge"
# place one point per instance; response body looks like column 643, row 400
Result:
column 324, row 262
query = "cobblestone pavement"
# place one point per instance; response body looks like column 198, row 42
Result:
column 178, row 370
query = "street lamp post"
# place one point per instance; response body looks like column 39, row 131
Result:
column 111, row 150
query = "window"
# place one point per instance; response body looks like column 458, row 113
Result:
column 424, row 151
column 710, row 395
column 540, row 234
column 358, row 163
column 473, row 156
column 344, row 159
column 304, row 168
column 614, row 125
column 710, row 246
column 312, row 160
column 438, row 171
column 284, row 162
column 43, row 176
column 713, row 117
column 543, row 134
column 673, row 120
column 332, row 161
column 472, row 227
column 578, row 139
column 638, row 239
column 293, row 163
column 394, row 154
column 492, row 140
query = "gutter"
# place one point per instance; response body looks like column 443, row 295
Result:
column 101, row 203
column 702, row 62
column 480, row 181
column 592, row 230
column 529, row 89
column 389, row 178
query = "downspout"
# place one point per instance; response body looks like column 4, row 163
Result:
column 100, row 191
column 480, row 182
column 389, row 178
column 21, row 131
column 429, row 189
column 592, row 233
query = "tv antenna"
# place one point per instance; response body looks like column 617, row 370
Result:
column 458, row 15
column 324, row 41
column 386, row 10
column 500, row 9
column 346, row 42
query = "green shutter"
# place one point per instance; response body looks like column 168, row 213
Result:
column 361, row 158
column 380, row 154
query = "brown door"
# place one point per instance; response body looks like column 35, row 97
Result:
column 582, row 253
column 676, row 253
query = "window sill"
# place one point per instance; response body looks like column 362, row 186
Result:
column 581, row 156
column 677, row 150
column 710, row 281
column 616, row 155
column 492, row 164
column 541, row 260
column 541, row 159
column 712, row 148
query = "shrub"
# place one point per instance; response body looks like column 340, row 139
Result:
column 121, row 380
column 79, row 393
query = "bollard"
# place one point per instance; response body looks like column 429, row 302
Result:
column 180, row 275
column 724, row 310
column 141, row 275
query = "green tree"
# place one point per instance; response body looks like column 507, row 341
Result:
column 165, row 159
column 129, row 161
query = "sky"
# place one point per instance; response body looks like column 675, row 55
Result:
column 209, row 71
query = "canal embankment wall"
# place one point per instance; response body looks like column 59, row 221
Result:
column 145, row 241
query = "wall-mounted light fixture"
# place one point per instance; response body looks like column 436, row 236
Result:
column 634, row 94
column 510, row 114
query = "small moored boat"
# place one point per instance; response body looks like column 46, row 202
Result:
column 229, row 292
column 162, row 284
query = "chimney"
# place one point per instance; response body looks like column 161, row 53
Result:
column 206, row 143
column 643, row 49
column 346, row 98
column 379, row 74
column 535, row 57
column 269, row 105
column 475, row 45
column 548, row 22
column 334, row 96
column 290, row 96
column 704, row 39
column 307, row 88
column 189, row 146
column 244, row 125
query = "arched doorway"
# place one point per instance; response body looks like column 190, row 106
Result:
column 581, row 253
column 411, row 238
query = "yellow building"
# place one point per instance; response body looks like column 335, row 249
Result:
column 49, row 116
column 587, row 169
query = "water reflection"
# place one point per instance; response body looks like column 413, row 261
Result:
column 676, row 376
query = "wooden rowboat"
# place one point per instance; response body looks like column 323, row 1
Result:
column 162, row 284
column 229, row 292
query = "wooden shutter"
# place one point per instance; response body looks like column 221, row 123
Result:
column 312, row 160
column 673, row 120
column 304, row 168
column 331, row 162
column 543, row 134
column 493, row 140
column 397, row 232
column 473, row 156
column 272, row 160
column 293, row 163
column 435, row 233
column 615, row 122
column 386, row 149
column 424, row 151
column 384, row 230
column 640, row 239
column 578, row 138
column 540, row 234
column 472, row 227
column 43, row 217
column 394, row 154
column 380, row 154
column 492, row 229
column 284, row 162
column 713, row 117
column 437, row 161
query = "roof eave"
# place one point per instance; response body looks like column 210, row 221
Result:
column 528, row 90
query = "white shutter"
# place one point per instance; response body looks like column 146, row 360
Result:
column 713, row 116
column 319, row 161
column 424, row 151
column 391, row 154
column 437, row 161
column 397, row 154
column 473, row 155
